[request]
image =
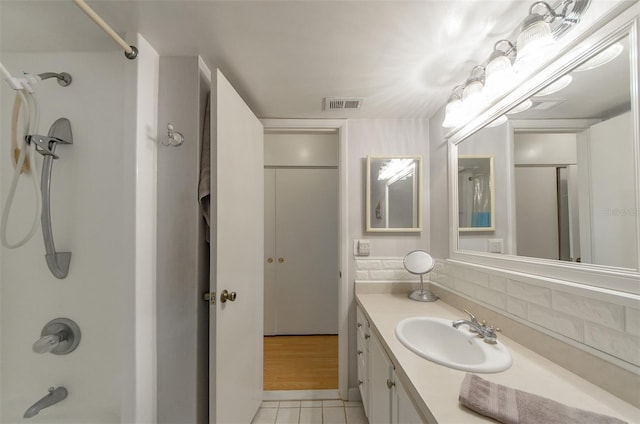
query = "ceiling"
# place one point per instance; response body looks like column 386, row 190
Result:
column 284, row 57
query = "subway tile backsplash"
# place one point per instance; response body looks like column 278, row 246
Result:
column 600, row 324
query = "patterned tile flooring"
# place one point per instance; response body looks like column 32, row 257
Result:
column 310, row 412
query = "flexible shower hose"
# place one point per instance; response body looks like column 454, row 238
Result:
column 32, row 117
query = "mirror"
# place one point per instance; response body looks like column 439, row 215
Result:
column 476, row 208
column 393, row 200
column 565, row 169
column 419, row 263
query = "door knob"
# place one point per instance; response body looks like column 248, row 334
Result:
column 280, row 260
column 226, row 295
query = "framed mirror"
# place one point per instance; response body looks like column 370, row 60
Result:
column 393, row 194
column 567, row 169
column 476, row 206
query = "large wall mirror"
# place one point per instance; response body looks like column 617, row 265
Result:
column 393, row 194
column 566, row 169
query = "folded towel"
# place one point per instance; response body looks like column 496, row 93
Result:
column 511, row 406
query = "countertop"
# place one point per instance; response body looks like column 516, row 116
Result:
column 434, row 388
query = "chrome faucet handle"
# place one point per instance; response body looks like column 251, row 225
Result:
column 473, row 317
column 490, row 335
column 48, row 343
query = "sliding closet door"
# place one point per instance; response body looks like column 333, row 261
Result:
column 306, row 253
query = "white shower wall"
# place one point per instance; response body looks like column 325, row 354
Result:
column 90, row 212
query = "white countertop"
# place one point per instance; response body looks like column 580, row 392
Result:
column 434, row 388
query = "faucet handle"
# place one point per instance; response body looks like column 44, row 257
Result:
column 47, row 343
column 473, row 317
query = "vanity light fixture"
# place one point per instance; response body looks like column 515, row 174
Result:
column 535, row 36
column 555, row 86
column 538, row 33
column 499, row 73
column 453, row 113
column 472, row 94
column 604, row 57
column 521, row 107
column 394, row 167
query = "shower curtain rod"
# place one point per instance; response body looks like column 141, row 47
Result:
column 130, row 52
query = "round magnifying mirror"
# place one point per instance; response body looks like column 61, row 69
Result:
column 420, row 262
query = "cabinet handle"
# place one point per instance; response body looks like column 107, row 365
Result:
column 280, row 260
column 390, row 383
column 359, row 382
column 366, row 336
column 270, row 260
column 359, row 352
column 359, row 325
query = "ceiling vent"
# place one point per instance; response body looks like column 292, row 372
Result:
column 342, row 103
column 546, row 104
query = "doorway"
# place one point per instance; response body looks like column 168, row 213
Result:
column 301, row 289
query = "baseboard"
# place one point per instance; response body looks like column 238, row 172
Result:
column 301, row 394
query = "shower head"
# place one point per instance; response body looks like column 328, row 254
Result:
column 64, row 79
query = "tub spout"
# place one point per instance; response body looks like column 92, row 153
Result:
column 54, row 396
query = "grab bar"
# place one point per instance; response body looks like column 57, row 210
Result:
column 58, row 262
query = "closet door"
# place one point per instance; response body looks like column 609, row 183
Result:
column 306, row 261
column 270, row 264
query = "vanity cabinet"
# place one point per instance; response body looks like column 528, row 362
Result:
column 362, row 342
column 385, row 400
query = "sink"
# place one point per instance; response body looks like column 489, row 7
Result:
column 438, row 341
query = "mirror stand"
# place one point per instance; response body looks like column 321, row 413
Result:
column 419, row 263
column 423, row 295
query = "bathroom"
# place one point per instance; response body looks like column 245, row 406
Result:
column 123, row 199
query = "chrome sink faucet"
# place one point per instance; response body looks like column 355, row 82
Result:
column 488, row 333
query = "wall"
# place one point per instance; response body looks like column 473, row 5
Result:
column 377, row 137
column 89, row 208
column 139, row 394
column 181, row 279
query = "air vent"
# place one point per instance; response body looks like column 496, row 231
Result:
column 546, row 104
column 342, row 103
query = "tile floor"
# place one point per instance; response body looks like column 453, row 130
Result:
column 310, row 412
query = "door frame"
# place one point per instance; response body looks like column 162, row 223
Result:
column 343, row 237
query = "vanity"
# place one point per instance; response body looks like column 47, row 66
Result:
column 398, row 386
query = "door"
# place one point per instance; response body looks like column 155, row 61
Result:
column 537, row 211
column 301, row 270
column 237, row 203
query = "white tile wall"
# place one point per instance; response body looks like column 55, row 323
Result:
column 582, row 314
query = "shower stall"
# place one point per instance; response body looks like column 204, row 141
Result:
column 102, row 192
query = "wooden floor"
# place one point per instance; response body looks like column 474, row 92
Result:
column 300, row 362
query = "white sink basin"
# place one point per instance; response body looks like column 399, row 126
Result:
column 437, row 340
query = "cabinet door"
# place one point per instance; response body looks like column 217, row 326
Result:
column 379, row 391
column 362, row 346
column 403, row 412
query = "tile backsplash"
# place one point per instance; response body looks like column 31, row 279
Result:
column 606, row 322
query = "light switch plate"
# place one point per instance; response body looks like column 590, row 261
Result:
column 361, row 247
column 495, row 245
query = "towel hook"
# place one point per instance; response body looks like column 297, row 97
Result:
column 174, row 138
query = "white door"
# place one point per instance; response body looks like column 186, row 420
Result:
column 303, row 277
column 237, row 203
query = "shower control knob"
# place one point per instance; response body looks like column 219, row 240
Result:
column 226, row 295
